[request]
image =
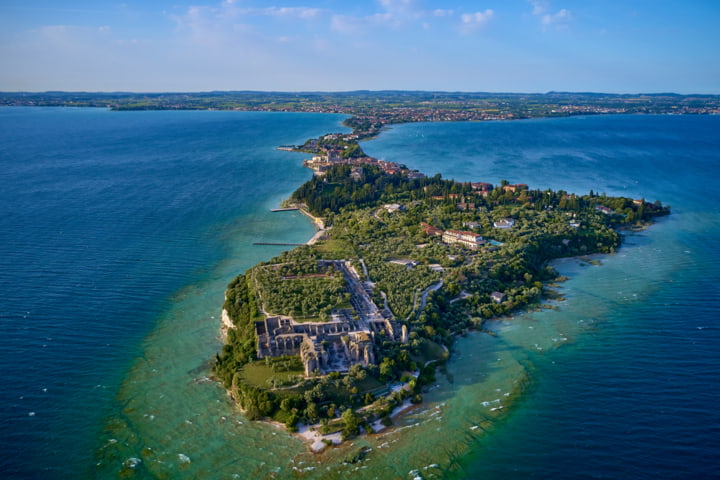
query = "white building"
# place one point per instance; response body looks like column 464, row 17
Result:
column 504, row 223
column 466, row 239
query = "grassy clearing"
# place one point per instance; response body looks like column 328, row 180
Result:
column 300, row 319
column 266, row 375
column 332, row 427
column 336, row 249
column 429, row 351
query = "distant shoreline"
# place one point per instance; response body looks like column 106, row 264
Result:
column 386, row 107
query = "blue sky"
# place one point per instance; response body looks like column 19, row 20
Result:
column 622, row 46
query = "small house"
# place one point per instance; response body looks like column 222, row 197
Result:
column 504, row 223
column 497, row 297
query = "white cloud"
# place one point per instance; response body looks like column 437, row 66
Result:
column 473, row 21
column 296, row 12
column 69, row 36
column 350, row 24
column 562, row 17
column 442, row 13
column 559, row 19
column 399, row 6
column 227, row 10
column 393, row 14
column 228, row 24
column 539, row 6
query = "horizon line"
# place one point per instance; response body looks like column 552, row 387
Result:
column 179, row 92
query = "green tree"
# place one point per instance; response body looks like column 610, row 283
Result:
column 351, row 424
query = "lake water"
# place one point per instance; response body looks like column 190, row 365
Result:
column 120, row 231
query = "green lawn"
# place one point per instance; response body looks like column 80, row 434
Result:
column 258, row 373
column 335, row 249
column 429, row 350
column 301, row 319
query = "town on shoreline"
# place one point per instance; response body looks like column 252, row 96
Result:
column 389, row 106
column 334, row 338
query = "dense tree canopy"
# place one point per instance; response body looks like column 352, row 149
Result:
column 435, row 288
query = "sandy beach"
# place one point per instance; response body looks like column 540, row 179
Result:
column 318, row 441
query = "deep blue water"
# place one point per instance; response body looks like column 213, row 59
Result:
column 636, row 395
column 110, row 222
column 104, row 216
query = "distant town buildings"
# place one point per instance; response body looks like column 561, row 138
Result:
column 430, row 230
column 515, row 188
column 322, row 162
column 482, row 187
column 357, row 173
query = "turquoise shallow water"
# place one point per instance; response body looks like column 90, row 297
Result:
column 127, row 227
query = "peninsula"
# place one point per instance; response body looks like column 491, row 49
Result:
column 340, row 334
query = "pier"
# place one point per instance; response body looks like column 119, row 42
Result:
column 274, row 243
column 284, row 209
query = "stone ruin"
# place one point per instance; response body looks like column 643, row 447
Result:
column 325, row 347
column 329, row 346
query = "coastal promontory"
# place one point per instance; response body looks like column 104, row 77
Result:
column 341, row 334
